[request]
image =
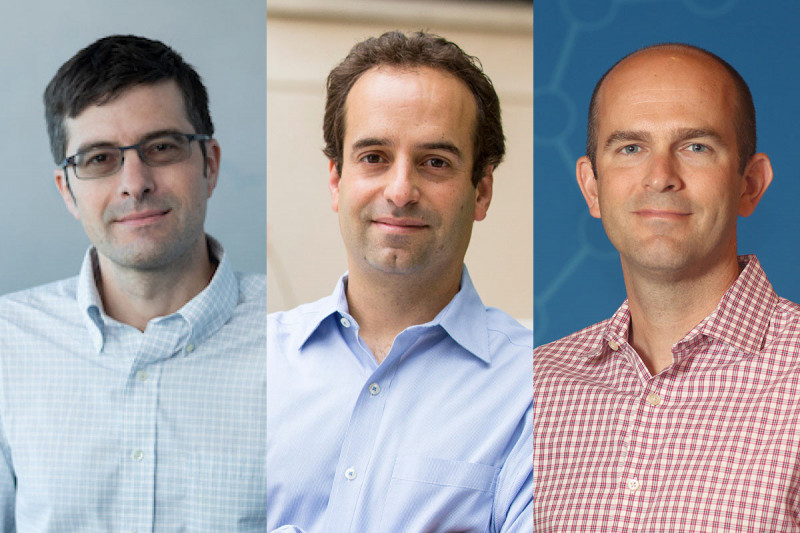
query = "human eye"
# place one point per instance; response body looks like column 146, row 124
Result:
column 162, row 144
column 371, row 159
column 630, row 149
column 436, row 162
column 97, row 158
column 163, row 150
column 697, row 148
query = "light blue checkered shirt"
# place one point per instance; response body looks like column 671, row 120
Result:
column 437, row 438
column 105, row 428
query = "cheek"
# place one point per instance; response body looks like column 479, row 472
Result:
column 354, row 196
column 89, row 205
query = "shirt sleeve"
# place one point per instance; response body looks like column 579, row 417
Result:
column 513, row 508
column 8, row 486
column 288, row 529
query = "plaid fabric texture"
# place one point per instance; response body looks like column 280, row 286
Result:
column 107, row 428
column 711, row 443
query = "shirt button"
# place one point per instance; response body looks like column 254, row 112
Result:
column 633, row 485
column 345, row 322
column 138, row 455
column 141, row 375
column 189, row 348
column 613, row 345
column 374, row 389
column 350, row 473
column 653, row 399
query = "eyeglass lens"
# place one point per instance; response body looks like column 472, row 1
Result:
column 106, row 160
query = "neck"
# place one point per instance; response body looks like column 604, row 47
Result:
column 386, row 304
column 665, row 308
column 135, row 297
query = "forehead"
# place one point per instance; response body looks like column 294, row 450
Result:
column 130, row 115
column 398, row 102
column 667, row 88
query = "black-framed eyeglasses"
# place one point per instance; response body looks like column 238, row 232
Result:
column 161, row 150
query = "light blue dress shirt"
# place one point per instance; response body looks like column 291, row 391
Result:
column 106, row 428
column 437, row 438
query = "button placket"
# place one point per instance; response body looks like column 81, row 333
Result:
column 653, row 399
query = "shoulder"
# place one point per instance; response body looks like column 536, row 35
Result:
column 299, row 315
column 252, row 287
column 291, row 327
column 34, row 317
column 579, row 344
column 785, row 323
column 50, row 299
column 503, row 328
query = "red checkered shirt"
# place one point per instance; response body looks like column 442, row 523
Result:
column 709, row 444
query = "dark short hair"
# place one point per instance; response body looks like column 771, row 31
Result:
column 109, row 66
column 418, row 49
column 745, row 110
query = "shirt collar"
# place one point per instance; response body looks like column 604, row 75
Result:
column 205, row 313
column 740, row 319
column 743, row 315
column 88, row 297
column 463, row 318
column 214, row 306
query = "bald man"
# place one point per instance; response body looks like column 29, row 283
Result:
column 679, row 412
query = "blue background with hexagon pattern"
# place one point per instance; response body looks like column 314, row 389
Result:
column 577, row 278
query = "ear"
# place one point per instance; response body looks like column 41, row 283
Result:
column 213, row 154
column 757, row 177
column 588, row 184
column 66, row 193
column 483, row 193
column 333, row 184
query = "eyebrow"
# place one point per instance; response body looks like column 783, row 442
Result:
column 683, row 134
column 444, row 145
column 105, row 144
column 375, row 141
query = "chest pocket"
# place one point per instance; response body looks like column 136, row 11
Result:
column 439, row 495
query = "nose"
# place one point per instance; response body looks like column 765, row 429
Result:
column 401, row 188
column 662, row 174
column 135, row 178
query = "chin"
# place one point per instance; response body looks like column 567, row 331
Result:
column 144, row 257
column 663, row 263
column 393, row 262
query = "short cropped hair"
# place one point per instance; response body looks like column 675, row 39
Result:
column 419, row 49
column 745, row 109
column 108, row 67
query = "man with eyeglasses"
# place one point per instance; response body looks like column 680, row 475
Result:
column 132, row 396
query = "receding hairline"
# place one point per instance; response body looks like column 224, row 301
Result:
column 745, row 120
column 664, row 50
column 418, row 70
